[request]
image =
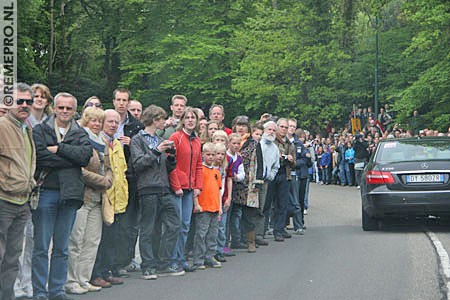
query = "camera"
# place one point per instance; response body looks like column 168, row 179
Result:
column 171, row 150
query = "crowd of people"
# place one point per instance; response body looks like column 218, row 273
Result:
column 78, row 195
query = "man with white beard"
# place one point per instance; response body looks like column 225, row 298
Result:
column 271, row 159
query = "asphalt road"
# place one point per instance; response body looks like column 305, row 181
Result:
column 334, row 260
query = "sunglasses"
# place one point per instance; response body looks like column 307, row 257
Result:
column 21, row 101
column 90, row 104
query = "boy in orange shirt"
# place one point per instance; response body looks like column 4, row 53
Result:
column 207, row 208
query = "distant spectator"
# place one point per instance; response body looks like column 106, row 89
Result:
column 217, row 113
column 135, row 108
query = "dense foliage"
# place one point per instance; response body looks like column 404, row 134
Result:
column 309, row 59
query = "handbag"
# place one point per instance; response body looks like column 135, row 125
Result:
column 107, row 210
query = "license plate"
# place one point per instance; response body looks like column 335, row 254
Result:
column 424, row 178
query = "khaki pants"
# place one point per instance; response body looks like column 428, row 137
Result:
column 83, row 245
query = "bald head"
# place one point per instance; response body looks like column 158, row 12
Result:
column 135, row 108
column 111, row 123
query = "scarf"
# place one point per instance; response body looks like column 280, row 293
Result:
column 96, row 141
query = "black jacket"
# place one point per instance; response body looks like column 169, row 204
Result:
column 64, row 166
column 303, row 162
column 361, row 149
column 131, row 128
column 152, row 168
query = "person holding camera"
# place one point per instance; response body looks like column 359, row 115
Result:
column 153, row 159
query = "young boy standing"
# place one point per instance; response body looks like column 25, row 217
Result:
column 207, row 208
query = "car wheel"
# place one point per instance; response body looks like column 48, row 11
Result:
column 368, row 223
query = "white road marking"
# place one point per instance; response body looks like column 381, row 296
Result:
column 444, row 260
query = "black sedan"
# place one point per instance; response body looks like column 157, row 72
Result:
column 407, row 177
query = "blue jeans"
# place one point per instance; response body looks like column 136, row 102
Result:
column 221, row 235
column 185, row 207
column 349, row 173
column 325, row 175
column 342, row 173
column 235, row 223
column 307, row 192
column 53, row 218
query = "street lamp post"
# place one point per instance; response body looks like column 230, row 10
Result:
column 376, row 67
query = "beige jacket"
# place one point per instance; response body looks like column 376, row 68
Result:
column 96, row 183
column 16, row 173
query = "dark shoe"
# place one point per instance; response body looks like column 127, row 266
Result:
column 286, row 235
column 170, row 271
column 229, row 254
column 261, row 242
column 113, row 280
column 189, row 268
column 101, row 283
column 61, row 297
column 123, row 273
column 220, row 258
column 279, row 238
column 238, row 246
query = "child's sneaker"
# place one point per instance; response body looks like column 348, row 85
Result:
column 227, row 252
column 199, row 266
column 149, row 274
column 212, row 263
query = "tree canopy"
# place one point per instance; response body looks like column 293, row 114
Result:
column 308, row 59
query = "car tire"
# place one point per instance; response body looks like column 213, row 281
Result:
column 368, row 223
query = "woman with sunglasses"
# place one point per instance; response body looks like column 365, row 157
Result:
column 93, row 101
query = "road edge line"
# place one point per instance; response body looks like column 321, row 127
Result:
column 444, row 261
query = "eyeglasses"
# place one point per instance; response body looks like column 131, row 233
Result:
column 90, row 104
column 21, row 101
column 68, row 108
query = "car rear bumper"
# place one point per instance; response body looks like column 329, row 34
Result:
column 383, row 204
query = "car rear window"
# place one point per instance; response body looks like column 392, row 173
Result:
column 413, row 150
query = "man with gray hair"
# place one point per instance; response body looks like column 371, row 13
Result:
column 271, row 164
column 17, row 166
column 62, row 149
column 278, row 191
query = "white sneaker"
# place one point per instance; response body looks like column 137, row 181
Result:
column 305, row 212
column 299, row 232
column 75, row 289
column 269, row 231
column 91, row 288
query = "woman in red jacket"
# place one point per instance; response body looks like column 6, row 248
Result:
column 186, row 179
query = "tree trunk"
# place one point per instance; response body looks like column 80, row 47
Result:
column 52, row 38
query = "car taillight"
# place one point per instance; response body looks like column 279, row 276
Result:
column 378, row 177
